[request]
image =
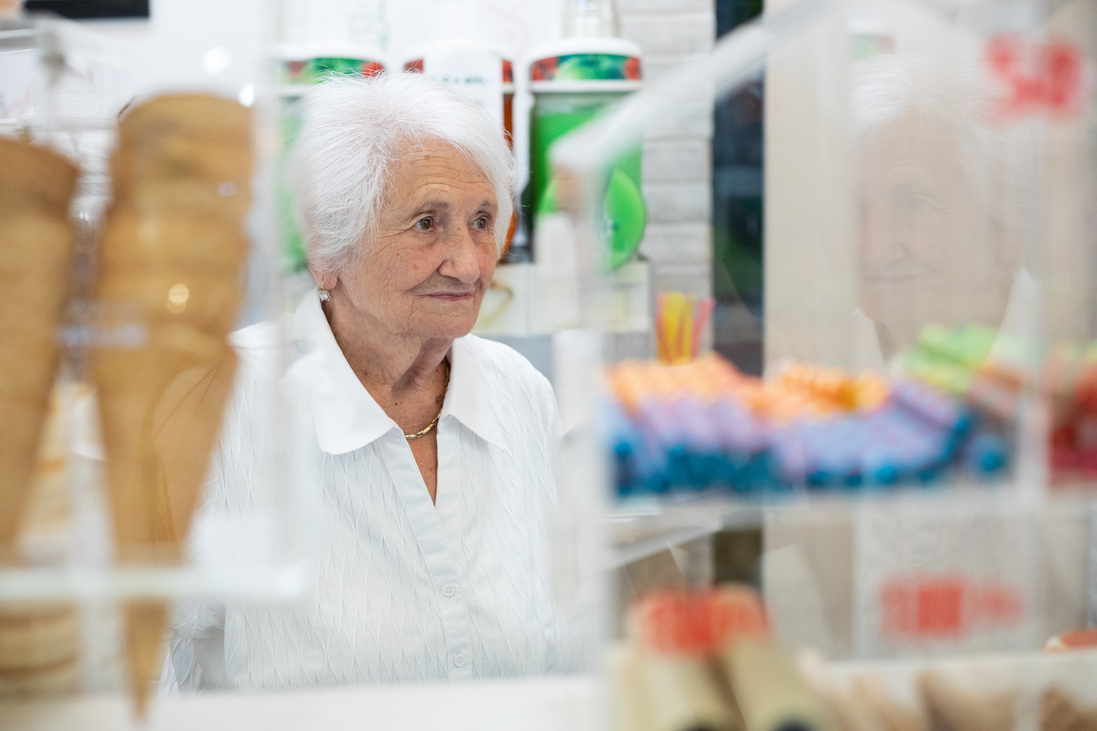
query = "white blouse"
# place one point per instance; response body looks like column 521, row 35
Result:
column 405, row 590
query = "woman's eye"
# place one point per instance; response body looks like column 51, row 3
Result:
column 917, row 203
column 424, row 224
column 481, row 223
column 913, row 202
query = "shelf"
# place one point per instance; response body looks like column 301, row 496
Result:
column 66, row 583
column 544, row 704
column 640, row 527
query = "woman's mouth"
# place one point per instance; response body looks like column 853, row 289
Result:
column 892, row 278
column 451, row 296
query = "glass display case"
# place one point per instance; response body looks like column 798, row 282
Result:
column 907, row 452
column 137, row 234
column 915, row 457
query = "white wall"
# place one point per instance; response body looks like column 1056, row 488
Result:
column 168, row 50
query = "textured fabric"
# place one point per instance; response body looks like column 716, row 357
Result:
column 405, row 590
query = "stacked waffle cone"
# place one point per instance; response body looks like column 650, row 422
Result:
column 40, row 641
column 39, row 649
column 36, row 243
column 171, row 260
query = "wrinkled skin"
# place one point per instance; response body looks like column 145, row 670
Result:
column 931, row 249
column 416, row 287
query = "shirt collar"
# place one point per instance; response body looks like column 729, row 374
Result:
column 346, row 416
column 469, row 399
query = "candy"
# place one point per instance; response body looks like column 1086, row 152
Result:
column 705, row 425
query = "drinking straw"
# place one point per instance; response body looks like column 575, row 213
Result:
column 685, row 313
column 704, row 311
column 661, row 328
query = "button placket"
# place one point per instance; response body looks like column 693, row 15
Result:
column 440, row 561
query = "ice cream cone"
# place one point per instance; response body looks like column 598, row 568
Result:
column 35, row 178
column 165, row 241
column 206, row 302
column 160, row 422
column 1060, row 712
column 143, row 398
column 35, row 251
column 959, row 709
column 183, row 137
column 202, row 117
column 208, row 203
column 215, row 165
column 169, row 292
column 39, row 645
column 144, row 627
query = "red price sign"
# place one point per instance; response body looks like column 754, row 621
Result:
column 946, row 607
column 1038, row 77
column 699, row 622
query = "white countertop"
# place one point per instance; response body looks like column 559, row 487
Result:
column 537, row 704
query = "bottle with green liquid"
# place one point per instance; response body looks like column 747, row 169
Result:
column 299, row 67
column 573, row 80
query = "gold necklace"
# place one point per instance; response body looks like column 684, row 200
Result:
column 426, row 430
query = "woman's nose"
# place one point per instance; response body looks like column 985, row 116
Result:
column 461, row 262
column 881, row 241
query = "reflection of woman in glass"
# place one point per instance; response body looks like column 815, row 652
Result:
column 937, row 244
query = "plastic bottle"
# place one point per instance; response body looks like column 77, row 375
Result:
column 572, row 81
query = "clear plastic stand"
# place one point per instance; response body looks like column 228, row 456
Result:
column 910, row 156
column 60, row 91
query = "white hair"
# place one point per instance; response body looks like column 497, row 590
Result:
column 892, row 87
column 354, row 131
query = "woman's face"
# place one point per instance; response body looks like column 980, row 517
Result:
column 434, row 254
column 928, row 244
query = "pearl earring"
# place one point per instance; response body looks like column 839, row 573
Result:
column 325, row 296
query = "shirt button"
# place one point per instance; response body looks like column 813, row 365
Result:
column 449, row 590
column 459, row 660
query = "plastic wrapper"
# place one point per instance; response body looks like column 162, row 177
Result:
column 151, row 243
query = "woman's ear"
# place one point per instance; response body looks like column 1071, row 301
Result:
column 324, row 280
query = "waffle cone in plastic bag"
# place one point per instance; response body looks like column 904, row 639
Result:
column 161, row 405
column 959, row 709
column 183, row 137
column 184, row 426
column 35, row 253
column 162, row 300
column 220, row 204
column 169, row 292
column 33, row 177
column 161, row 398
column 144, row 624
column 39, row 649
column 152, row 399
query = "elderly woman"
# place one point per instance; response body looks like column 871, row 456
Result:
column 938, row 240
column 433, row 448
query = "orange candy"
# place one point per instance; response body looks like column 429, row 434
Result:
column 799, row 390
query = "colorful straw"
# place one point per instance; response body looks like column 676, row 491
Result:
column 679, row 321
